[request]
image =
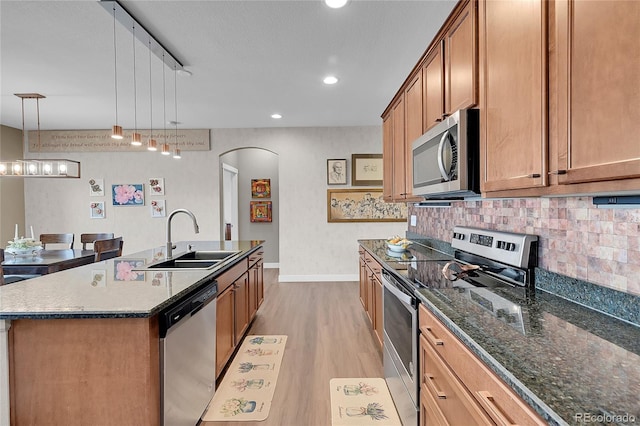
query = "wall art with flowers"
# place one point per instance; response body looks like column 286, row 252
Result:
column 158, row 208
column 128, row 194
column 96, row 210
column 156, row 186
column 96, row 187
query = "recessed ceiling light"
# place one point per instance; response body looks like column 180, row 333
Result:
column 335, row 4
column 330, row 79
column 276, row 116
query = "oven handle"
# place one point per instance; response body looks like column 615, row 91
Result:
column 404, row 298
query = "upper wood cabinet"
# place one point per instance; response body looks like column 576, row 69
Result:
column 513, row 94
column 387, row 157
column 413, row 127
column 433, row 77
column 598, row 83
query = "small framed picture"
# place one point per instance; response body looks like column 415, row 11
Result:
column 260, row 211
column 158, row 208
column 336, row 172
column 128, row 194
column 96, row 210
column 156, row 186
column 366, row 169
column 96, row 187
column 260, row 188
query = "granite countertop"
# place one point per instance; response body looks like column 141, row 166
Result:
column 110, row 289
column 572, row 364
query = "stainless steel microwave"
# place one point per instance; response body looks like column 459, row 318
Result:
column 446, row 160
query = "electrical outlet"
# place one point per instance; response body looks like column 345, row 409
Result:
column 414, row 220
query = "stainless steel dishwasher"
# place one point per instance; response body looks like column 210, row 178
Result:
column 188, row 357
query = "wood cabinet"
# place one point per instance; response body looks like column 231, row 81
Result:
column 433, row 78
column 225, row 335
column 256, row 283
column 513, row 119
column 371, row 292
column 394, row 153
column 458, row 388
column 241, row 306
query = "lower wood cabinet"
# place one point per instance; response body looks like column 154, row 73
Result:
column 225, row 336
column 458, row 388
column 256, row 283
column 371, row 291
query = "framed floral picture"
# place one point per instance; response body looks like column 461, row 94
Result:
column 260, row 188
column 128, row 194
column 158, row 208
column 156, row 186
column 96, row 187
column 123, row 270
column 260, row 211
column 96, row 210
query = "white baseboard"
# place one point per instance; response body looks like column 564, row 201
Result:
column 317, row 278
column 271, row 265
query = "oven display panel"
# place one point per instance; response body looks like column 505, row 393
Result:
column 483, row 240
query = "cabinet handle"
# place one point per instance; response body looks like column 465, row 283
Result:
column 491, row 407
column 431, row 383
column 431, row 337
column 445, row 115
column 558, row 172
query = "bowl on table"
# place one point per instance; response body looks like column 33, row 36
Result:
column 398, row 246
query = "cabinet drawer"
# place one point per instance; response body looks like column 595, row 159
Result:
column 229, row 276
column 254, row 257
column 452, row 400
column 373, row 265
column 498, row 400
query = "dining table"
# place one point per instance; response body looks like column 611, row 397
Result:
column 46, row 261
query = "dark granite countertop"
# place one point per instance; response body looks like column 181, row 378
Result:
column 571, row 364
column 110, row 289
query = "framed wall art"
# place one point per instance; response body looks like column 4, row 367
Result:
column 128, row 194
column 362, row 205
column 260, row 211
column 158, row 208
column 96, row 210
column 336, row 172
column 156, row 186
column 96, row 187
column 366, row 169
column 260, row 188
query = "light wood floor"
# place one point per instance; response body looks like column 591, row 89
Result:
column 328, row 336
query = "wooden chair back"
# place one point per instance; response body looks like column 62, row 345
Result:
column 107, row 249
column 56, row 239
column 90, row 238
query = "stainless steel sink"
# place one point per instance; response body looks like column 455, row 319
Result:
column 205, row 259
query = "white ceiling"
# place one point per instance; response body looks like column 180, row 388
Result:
column 248, row 59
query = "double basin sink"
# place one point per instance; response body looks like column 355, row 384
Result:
column 194, row 260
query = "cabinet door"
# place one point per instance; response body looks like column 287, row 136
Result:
column 433, row 76
column 599, row 81
column 461, row 59
column 241, row 299
column 413, row 126
column 252, row 298
column 513, row 89
column 363, row 283
column 377, row 300
column 370, row 296
column 260, row 280
column 399, row 156
column 387, row 157
column 224, row 328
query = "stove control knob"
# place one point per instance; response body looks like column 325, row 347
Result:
column 502, row 244
column 511, row 247
column 458, row 236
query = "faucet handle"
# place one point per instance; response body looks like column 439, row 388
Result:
column 189, row 247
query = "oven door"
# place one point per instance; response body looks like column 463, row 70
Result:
column 400, row 323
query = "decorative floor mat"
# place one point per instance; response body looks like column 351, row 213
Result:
column 247, row 388
column 362, row 401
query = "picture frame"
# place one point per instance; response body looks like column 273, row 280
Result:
column 127, row 194
column 336, row 171
column 156, row 186
column 260, row 211
column 158, row 208
column 366, row 169
column 96, row 187
column 362, row 205
column 96, row 210
column 260, row 188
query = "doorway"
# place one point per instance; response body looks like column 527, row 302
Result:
column 229, row 202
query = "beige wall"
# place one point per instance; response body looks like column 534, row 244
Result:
column 11, row 189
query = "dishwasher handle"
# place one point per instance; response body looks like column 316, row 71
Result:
column 189, row 306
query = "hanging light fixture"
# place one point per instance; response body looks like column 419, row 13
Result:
column 165, row 145
column 176, row 150
column 116, row 130
column 60, row 168
column 152, row 145
column 136, row 138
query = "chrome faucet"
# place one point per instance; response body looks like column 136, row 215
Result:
column 170, row 245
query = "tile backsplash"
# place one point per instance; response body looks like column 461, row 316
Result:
column 578, row 240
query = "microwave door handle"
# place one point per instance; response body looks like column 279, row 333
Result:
column 443, row 140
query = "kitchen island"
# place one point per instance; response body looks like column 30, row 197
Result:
column 82, row 346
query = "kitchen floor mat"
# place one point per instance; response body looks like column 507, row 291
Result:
column 247, row 388
column 361, row 402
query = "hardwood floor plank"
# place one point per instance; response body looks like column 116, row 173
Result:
column 328, row 336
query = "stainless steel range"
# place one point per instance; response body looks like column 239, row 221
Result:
column 494, row 269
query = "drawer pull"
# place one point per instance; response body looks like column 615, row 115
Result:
column 430, row 382
column 431, row 337
column 491, row 407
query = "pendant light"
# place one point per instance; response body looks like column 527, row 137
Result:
column 165, row 145
column 116, row 130
column 136, row 139
column 152, row 145
column 176, row 151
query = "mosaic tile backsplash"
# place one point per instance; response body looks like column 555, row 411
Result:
column 578, row 240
